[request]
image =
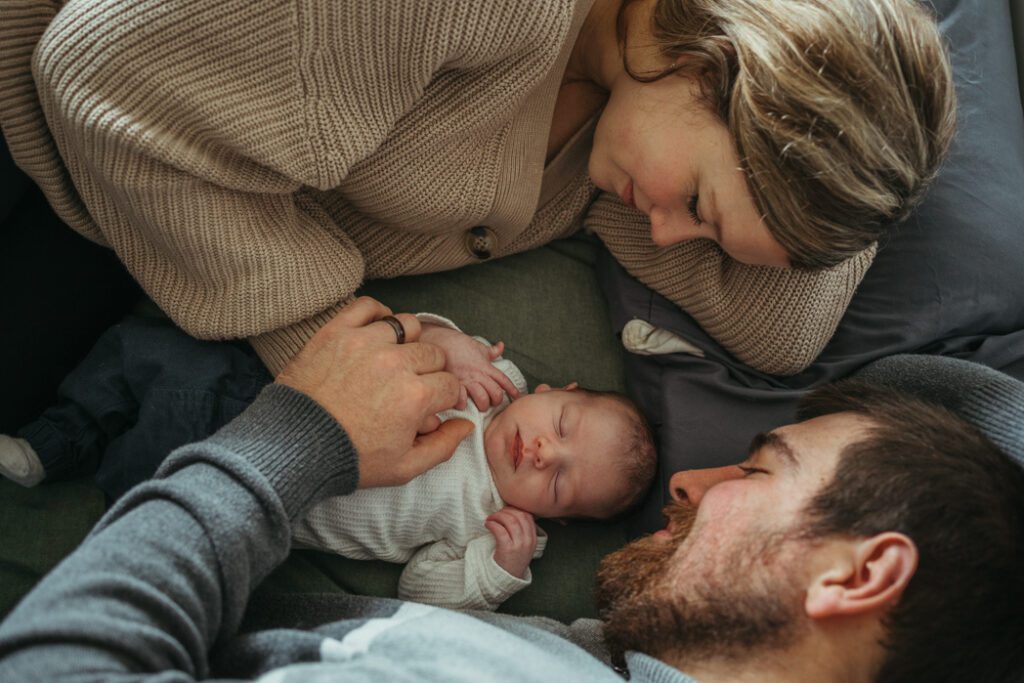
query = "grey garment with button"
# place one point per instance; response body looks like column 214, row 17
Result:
column 481, row 242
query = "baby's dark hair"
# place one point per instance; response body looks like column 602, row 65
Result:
column 639, row 456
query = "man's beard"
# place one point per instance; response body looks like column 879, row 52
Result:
column 725, row 611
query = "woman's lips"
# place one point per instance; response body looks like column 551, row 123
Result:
column 627, row 194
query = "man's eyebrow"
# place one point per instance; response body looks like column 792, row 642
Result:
column 777, row 443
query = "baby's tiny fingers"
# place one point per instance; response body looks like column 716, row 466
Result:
column 507, row 384
column 497, row 349
column 494, row 391
column 461, row 405
column 517, row 526
column 500, row 533
column 479, row 395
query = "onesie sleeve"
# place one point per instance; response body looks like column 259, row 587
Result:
column 448, row 575
column 777, row 320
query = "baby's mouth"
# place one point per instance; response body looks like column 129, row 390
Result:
column 517, row 451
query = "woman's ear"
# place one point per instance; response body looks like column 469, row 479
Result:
column 864, row 575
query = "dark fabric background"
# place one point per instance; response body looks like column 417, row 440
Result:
column 58, row 291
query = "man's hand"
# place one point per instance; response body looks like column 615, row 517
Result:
column 471, row 362
column 515, row 537
column 380, row 392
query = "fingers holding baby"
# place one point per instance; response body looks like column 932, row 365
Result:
column 354, row 368
column 515, row 539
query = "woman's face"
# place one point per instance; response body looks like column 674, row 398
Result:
column 659, row 147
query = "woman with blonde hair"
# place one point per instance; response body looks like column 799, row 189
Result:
column 252, row 163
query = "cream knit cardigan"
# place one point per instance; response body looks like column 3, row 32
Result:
column 252, row 163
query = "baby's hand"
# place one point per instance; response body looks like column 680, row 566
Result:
column 470, row 362
column 515, row 538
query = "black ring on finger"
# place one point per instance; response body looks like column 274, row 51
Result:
column 397, row 326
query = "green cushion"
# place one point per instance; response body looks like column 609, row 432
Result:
column 547, row 308
column 544, row 304
column 38, row 527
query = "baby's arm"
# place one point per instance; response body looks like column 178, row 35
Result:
column 448, row 575
column 515, row 537
column 471, row 359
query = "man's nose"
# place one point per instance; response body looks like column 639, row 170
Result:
column 691, row 485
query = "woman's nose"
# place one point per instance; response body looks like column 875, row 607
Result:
column 691, row 485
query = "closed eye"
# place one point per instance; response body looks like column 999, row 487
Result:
column 561, row 420
column 747, row 471
column 692, row 207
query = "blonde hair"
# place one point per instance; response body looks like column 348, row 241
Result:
column 842, row 111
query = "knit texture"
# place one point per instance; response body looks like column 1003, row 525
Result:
column 251, row 166
column 435, row 522
column 158, row 589
column 774, row 319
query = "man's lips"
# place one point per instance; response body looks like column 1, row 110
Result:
column 517, row 451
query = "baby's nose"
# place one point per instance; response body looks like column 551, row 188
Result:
column 542, row 453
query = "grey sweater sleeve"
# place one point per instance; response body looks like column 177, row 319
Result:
column 167, row 571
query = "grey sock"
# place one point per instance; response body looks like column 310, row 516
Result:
column 19, row 462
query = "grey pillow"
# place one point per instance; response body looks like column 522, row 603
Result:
column 949, row 281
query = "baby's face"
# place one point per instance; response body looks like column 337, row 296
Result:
column 555, row 453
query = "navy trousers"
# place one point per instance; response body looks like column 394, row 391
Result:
column 144, row 389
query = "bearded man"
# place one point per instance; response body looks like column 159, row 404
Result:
column 880, row 540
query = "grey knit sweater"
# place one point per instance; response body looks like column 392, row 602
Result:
column 158, row 589
column 252, row 163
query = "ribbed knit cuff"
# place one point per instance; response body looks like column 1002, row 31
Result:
column 297, row 445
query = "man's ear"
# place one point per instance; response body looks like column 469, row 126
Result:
column 865, row 575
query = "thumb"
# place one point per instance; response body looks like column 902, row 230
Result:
column 434, row 448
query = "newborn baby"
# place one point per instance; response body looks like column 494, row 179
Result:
column 466, row 528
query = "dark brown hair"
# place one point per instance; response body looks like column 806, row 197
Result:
column 841, row 111
column 926, row 473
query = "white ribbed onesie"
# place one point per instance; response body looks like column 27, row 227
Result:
column 435, row 522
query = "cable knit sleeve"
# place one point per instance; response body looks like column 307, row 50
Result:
column 776, row 320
